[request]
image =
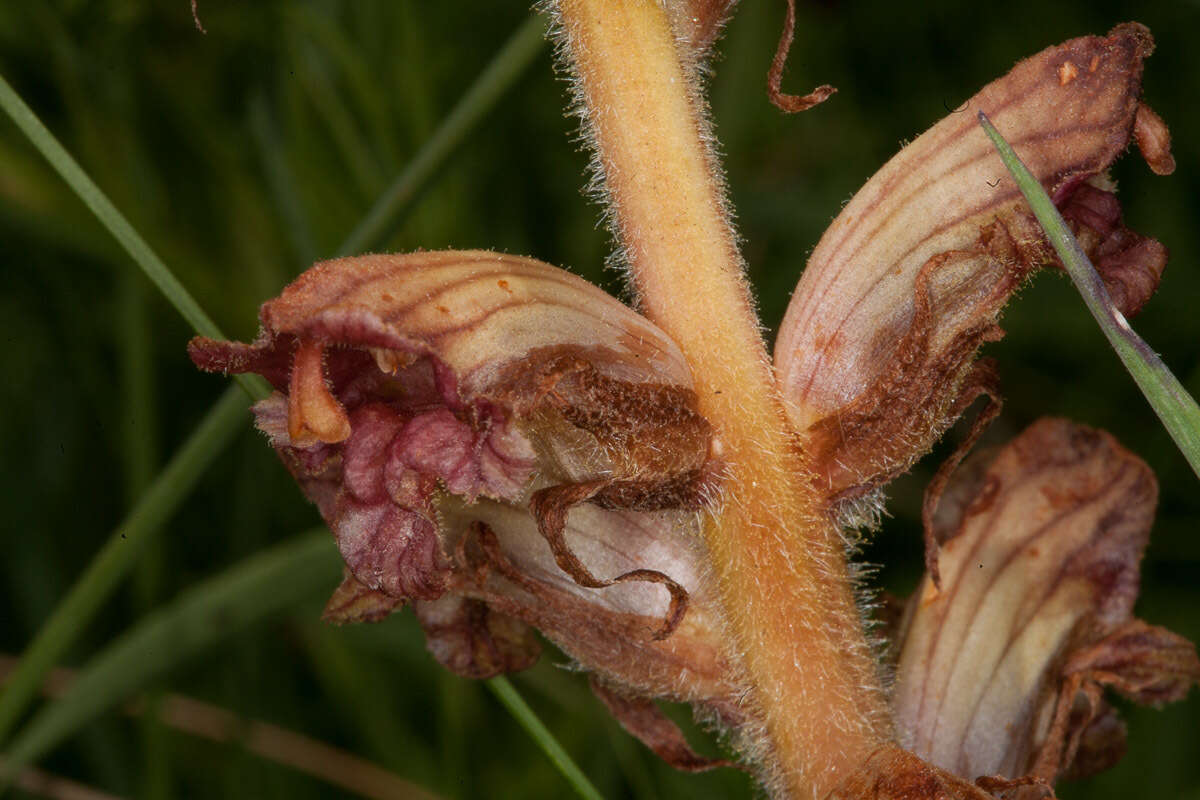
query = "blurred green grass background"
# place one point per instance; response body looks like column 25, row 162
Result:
column 245, row 154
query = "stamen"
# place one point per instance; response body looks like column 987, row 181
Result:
column 1154, row 140
column 314, row 414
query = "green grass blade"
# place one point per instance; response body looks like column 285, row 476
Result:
column 99, row 204
column 138, row 387
column 330, row 107
column 1171, row 402
column 516, row 705
column 140, row 451
column 483, row 95
column 105, row 211
column 114, row 560
column 281, row 181
column 261, row 586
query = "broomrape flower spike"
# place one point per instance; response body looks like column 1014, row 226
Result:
column 507, row 448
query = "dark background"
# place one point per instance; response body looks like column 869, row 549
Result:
column 246, row 154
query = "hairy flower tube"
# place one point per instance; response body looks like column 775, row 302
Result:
column 507, row 448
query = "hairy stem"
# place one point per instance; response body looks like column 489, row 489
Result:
column 779, row 562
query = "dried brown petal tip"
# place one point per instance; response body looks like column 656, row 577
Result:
column 646, row 722
column 791, row 103
column 1029, row 786
column 1130, row 265
column 698, row 23
column 875, row 354
column 472, row 640
column 1153, row 140
column 1001, row 670
column 353, row 602
column 1148, row 664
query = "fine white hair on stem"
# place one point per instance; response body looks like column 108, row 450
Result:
column 696, row 64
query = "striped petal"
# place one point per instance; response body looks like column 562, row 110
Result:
column 1001, row 669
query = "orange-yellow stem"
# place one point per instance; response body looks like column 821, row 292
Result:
column 779, row 562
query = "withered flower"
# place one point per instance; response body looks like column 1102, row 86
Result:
column 876, row 353
column 506, row 447
column 1000, row 670
column 501, row 444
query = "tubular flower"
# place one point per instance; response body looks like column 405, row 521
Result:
column 501, row 444
column 507, row 448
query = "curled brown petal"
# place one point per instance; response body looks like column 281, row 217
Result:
column 550, row 506
column 908, row 282
column 791, row 103
column 1039, row 574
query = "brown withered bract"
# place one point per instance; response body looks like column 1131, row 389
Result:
column 875, row 354
column 892, row 773
column 643, row 719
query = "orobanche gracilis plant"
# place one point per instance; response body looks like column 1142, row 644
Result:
column 506, row 448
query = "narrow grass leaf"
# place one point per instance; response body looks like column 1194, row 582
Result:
column 1171, row 402
column 105, row 211
column 516, row 705
column 330, row 106
column 281, row 180
column 119, row 553
column 345, row 54
column 99, row 204
column 358, row 688
column 253, row 590
column 496, row 79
